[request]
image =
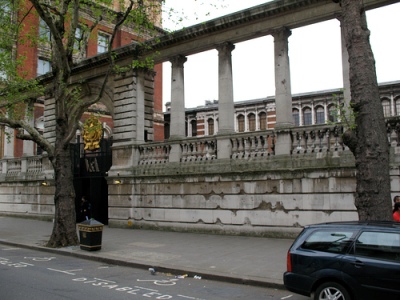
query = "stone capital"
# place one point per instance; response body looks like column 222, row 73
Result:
column 145, row 72
column 225, row 48
column 281, row 33
column 178, row 61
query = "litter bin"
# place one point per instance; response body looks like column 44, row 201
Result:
column 90, row 232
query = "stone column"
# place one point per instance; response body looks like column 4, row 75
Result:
column 313, row 118
column 28, row 147
column 283, row 92
column 177, row 124
column 257, row 127
column 326, row 112
column 8, row 142
column 392, row 105
column 226, row 109
column 345, row 71
column 301, row 121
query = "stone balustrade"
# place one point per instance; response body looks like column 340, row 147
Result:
column 26, row 166
column 253, row 144
column 248, row 145
column 317, row 138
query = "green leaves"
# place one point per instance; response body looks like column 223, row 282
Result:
column 342, row 113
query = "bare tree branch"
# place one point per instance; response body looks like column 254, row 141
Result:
column 33, row 134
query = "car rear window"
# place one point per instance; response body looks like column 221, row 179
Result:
column 333, row 241
column 378, row 245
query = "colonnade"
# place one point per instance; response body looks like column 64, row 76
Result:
column 226, row 112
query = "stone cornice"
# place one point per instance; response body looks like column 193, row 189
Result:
column 244, row 25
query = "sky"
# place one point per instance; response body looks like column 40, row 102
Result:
column 314, row 54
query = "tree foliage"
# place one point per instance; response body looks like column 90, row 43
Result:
column 62, row 30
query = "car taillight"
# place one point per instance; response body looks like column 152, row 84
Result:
column 288, row 262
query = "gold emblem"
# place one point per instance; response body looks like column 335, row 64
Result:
column 92, row 133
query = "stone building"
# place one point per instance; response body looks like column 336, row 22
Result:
column 314, row 108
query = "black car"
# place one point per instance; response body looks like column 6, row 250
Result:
column 346, row 260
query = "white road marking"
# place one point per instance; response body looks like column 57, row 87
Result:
column 68, row 272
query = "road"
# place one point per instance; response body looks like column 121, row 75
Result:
column 32, row 274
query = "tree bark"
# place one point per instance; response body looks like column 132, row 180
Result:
column 64, row 228
column 368, row 142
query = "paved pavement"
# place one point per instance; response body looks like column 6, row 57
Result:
column 240, row 259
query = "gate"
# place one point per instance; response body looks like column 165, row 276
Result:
column 90, row 171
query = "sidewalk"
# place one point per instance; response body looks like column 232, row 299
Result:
column 251, row 260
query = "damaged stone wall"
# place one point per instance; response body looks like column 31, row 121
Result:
column 250, row 198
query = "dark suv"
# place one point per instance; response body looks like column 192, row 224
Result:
column 346, row 260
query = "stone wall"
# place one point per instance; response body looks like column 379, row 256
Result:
column 27, row 199
column 264, row 197
column 260, row 196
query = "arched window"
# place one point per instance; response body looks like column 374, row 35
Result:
column 240, row 120
column 332, row 113
column 320, row 115
column 397, row 101
column 262, row 116
column 386, row 107
column 193, row 125
column 210, row 123
column 296, row 117
column 251, row 119
column 307, row 116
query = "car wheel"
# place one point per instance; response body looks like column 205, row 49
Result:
column 331, row 291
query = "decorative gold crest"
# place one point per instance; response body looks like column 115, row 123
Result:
column 92, row 133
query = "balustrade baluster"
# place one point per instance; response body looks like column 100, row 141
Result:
column 235, row 148
column 312, row 142
column 185, row 151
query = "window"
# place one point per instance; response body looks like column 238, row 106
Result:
column 333, row 114
column 43, row 67
column 44, row 31
column 5, row 9
column 251, row 119
column 320, row 115
column 333, row 241
column 386, row 107
column 4, row 59
column 307, row 116
column 240, row 120
column 397, row 106
column 78, row 38
column 210, row 123
column 102, row 42
column 166, row 131
column 296, row 117
column 193, row 124
column 39, row 150
column 263, row 120
column 379, row 245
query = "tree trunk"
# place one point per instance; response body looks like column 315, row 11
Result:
column 64, row 229
column 369, row 142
